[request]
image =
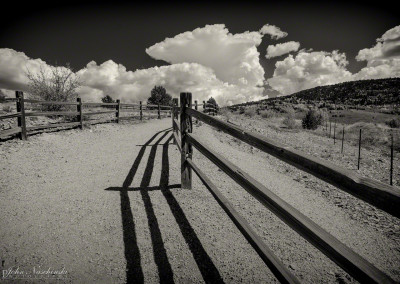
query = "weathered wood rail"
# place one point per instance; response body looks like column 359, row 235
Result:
column 382, row 196
column 116, row 108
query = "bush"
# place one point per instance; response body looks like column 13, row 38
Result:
column 250, row 112
column 312, row 119
column 267, row 113
column 7, row 108
column 289, row 122
column 393, row 123
column 56, row 84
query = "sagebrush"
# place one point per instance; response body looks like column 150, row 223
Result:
column 53, row 84
column 312, row 119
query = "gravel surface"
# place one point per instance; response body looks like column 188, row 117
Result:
column 105, row 203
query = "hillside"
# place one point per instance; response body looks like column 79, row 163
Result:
column 377, row 92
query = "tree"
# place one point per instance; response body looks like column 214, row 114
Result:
column 107, row 99
column 212, row 101
column 54, row 84
column 160, row 96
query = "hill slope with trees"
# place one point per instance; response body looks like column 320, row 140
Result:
column 364, row 92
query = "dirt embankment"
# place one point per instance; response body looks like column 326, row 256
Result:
column 105, row 203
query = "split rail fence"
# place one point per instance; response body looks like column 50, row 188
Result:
column 79, row 114
column 380, row 195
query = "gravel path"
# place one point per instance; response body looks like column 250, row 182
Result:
column 106, row 205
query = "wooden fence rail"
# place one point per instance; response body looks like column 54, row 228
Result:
column 114, row 108
column 378, row 194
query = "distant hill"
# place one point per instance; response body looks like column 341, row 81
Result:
column 377, row 92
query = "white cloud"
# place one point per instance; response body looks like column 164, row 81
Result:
column 309, row 69
column 281, row 49
column 184, row 77
column 383, row 59
column 13, row 68
column 273, row 31
column 131, row 86
column 379, row 69
column 233, row 57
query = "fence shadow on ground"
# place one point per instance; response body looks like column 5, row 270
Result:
column 134, row 272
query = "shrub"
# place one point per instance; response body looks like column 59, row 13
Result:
column 393, row 123
column 267, row 113
column 312, row 119
column 288, row 109
column 250, row 112
column 56, row 84
column 7, row 108
column 226, row 112
column 289, row 122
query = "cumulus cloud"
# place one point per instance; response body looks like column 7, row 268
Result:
column 273, row 31
column 383, row 59
column 13, row 68
column 233, row 57
column 207, row 61
column 281, row 49
column 130, row 86
column 309, row 69
column 112, row 78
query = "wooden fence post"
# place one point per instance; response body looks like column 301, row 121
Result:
column 21, row 108
column 204, row 106
column 159, row 112
column 342, row 138
column 141, row 110
column 195, row 107
column 79, row 109
column 118, row 110
column 391, row 161
column 186, row 127
column 359, row 151
column 174, row 115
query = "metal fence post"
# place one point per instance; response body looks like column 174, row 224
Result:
column 21, row 109
column 359, row 151
column 186, row 127
column 342, row 138
column 334, row 133
column 391, row 161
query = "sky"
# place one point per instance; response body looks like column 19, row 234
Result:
column 235, row 52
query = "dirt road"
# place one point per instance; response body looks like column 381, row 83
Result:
column 106, row 205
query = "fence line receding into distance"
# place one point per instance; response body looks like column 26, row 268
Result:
column 116, row 108
column 382, row 196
